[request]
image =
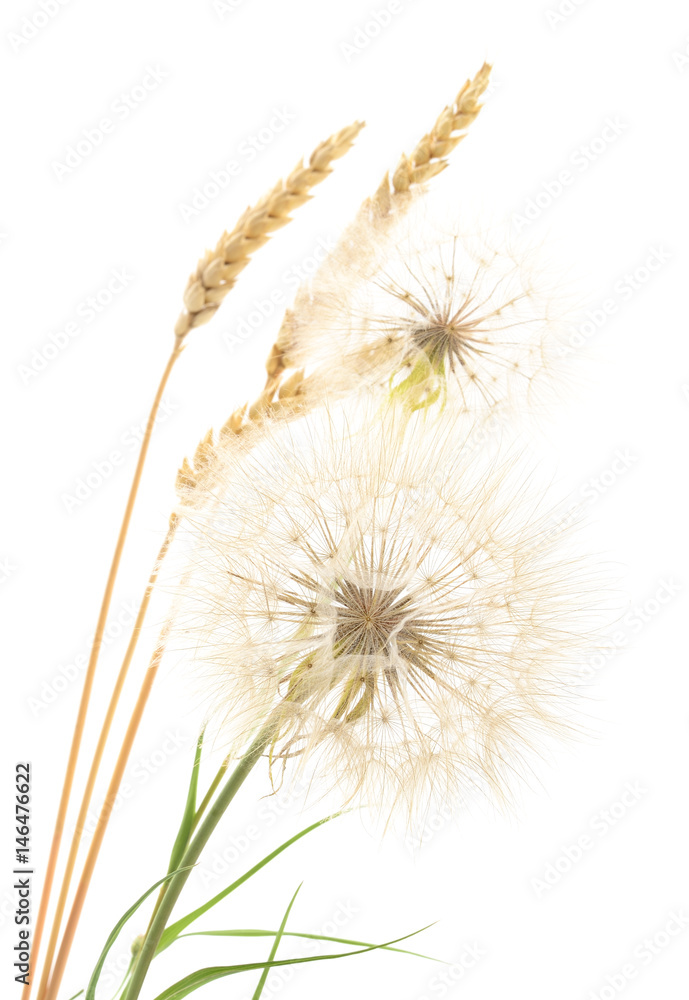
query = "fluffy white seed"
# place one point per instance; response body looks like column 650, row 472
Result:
column 399, row 601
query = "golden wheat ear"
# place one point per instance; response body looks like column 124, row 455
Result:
column 198, row 472
column 430, row 155
column 378, row 212
column 218, row 269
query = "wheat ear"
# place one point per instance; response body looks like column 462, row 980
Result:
column 200, row 470
column 430, row 154
column 428, row 159
column 216, row 274
column 218, row 269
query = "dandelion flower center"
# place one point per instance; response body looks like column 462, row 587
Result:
column 367, row 619
column 447, row 343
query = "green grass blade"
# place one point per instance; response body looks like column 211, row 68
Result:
column 251, row 932
column 187, row 825
column 121, row 989
column 76, row 995
column 114, row 933
column 174, row 930
column 273, row 950
column 201, row 977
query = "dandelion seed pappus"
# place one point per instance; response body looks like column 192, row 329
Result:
column 456, row 317
column 413, row 645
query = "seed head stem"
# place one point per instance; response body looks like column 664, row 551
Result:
column 191, row 856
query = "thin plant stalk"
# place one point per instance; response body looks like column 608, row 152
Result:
column 98, row 757
column 211, row 791
column 106, row 810
column 197, row 819
column 90, row 673
column 191, row 856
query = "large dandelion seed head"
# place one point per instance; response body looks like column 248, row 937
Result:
column 394, row 600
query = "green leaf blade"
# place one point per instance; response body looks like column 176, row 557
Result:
column 187, row 825
column 201, row 977
column 115, row 932
column 256, row 932
column 274, row 948
column 172, row 932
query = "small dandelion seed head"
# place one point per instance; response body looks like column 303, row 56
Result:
column 434, row 312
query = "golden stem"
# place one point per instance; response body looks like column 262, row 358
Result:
column 105, row 813
column 98, row 757
column 90, row 674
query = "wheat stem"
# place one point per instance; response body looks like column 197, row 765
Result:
column 98, row 757
column 90, row 673
column 106, row 809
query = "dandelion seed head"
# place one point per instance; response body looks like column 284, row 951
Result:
column 394, row 600
column 434, row 312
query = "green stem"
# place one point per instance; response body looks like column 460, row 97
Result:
column 211, row 792
column 191, row 856
column 197, row 819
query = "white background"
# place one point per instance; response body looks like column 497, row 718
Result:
column 225, row 69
